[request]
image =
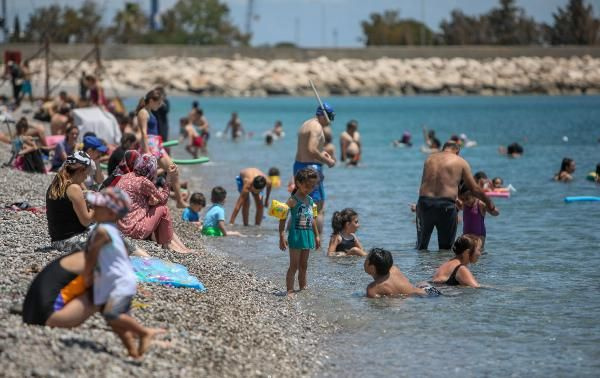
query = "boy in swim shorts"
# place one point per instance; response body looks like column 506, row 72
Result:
column 113, row 276
column 388, row 279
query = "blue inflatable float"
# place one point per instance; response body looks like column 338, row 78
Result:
column 154, row 270
column 582, row 199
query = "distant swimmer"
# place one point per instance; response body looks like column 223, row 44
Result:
column 467, row 249
column 513, row 150
column 190, row 132
column 234, row 124
column 442, row 173
column 405, row 141
column 432, row 143
column 388, row 280
column 350, row 143
column 310, row 153
column 251, row 181
column 567, row 168
column 277, row 130
column 344, row 241
column 466, row 142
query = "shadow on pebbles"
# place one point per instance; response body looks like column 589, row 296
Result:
column 239, row 327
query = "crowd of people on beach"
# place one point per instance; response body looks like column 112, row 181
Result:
column 88, row 212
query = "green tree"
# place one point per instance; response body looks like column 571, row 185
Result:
column 130, row 24
column 207, row 23
column 575, row 25
column 388, row 29
column 45, row 21
column 463, row 30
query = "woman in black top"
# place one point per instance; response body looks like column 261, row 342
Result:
column 467, row 249
column 57, row 297
column 66, row 209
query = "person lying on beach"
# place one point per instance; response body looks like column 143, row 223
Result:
column 192, row 212
column 108, row 267
column 214, row 219
column 344, row 241
column 567, row 168
column 190, row 131
column 467, row 249
column 57, row 296
column 60, row 120
column 388, row 280
column 251, row 181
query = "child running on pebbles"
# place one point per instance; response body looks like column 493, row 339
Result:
column 302, row 233
column 344, row 241
column 113, row 277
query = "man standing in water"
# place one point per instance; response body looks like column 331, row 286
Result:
column 442, row 174
column 310, row 153
column 350, row 143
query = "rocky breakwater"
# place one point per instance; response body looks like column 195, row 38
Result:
column 384, row 76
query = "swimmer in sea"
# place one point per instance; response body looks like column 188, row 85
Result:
column 344, row 241
column 404, row 141
column 567, row 168
column 237, row 130
column 467, row 249
column 388, row 280
column 350, row 143
column 514, row 150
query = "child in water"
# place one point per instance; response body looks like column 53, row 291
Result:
column 302, row 233
column 344, row 241
column 192, row 212
column 214, row 220
column 474, row 211
column 113, row 277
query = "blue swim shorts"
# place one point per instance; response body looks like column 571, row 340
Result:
column 240, row 184
column 318, row 194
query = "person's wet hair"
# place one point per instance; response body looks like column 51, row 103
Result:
column 218, row 194
column 480, row 175
column 128, row 140
column 269, row 139
column 273, row 171
column 381, row 259
column 564, row 165
column 340, row 218
column 514, row 148
column 198, row 199
column 464, row 243
column 259, row 182
column 450, row 145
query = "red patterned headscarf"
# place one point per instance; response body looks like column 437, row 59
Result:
column 146, row 166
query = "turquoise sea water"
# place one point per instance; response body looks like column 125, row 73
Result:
column 542, row 316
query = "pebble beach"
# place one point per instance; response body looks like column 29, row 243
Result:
column 241, row 326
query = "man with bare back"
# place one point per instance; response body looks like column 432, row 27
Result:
column 443, row 172
column 310, row 153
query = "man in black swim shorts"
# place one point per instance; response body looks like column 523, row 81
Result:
column 442, row 173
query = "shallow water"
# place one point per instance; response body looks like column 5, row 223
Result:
column 541, row 316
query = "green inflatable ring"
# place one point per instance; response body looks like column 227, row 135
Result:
column 171, row 143
column 200, row 160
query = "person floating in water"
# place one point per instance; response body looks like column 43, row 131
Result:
column 350, row 144
column 513, row 150
column 405, row 141
column 310, row 153
column 251, row 181
column 344, row 241
column 388, row 280
column 467, row 249
column 432, row 143
column 567, row 168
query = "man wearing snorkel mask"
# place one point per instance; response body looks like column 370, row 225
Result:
column 310, row 153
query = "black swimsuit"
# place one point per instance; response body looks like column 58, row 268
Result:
column 346, row 244
column 452, row 281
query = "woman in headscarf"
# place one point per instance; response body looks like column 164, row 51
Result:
column 149, row 215
column 125, row 166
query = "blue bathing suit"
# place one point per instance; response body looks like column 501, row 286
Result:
column 318, row 194
column 240, row 184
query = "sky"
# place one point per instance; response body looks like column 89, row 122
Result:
column 317, row 23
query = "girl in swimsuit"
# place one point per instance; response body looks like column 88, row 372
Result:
column 467, row 249
column 344, row 241
column 474, row 211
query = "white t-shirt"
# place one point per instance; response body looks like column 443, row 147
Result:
column 114, row 275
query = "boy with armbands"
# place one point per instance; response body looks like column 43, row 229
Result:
column 113, row 276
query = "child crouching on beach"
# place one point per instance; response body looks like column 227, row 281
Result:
column 302, row 233
column 344, row 241
column 113, row 277
column 214, row 220
column 192, row 212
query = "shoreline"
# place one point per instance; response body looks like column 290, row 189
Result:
column 239, row 327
